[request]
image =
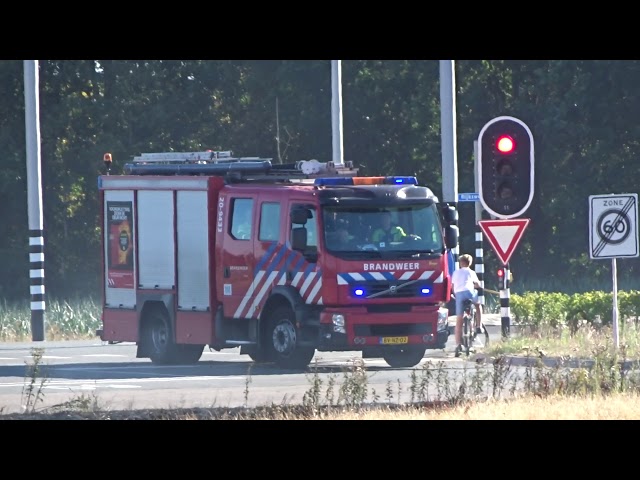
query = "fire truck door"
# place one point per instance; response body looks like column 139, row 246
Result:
column 238, row 282
column 303, row 237
column 270, row 253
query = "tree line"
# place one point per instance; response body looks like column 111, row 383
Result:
column 584, row 115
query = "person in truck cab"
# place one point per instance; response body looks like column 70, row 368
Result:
column 386, row 232
column 340, row 238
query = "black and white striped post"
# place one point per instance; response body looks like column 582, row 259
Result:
column 34, row 200
column 505, row 314
column 479, row 263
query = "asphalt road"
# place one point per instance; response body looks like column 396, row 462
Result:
column 111, row 376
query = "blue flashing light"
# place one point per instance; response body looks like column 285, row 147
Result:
column 392, row 180
column 425, row 291
column 328, row 181
column 403, row 180
column 358, row 292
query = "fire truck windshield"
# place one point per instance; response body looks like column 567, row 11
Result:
column 390, row 231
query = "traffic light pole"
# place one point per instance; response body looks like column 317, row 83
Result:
column 505, row 171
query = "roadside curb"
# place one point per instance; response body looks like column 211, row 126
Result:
column 551, row 362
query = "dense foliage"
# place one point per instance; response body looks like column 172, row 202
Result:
column 584, row 116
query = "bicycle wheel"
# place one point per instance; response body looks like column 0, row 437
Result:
column 467, row 332
column 486, row 335
column 481, row 339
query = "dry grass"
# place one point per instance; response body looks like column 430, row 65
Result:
column 613, row 407
column 561, row 342
column 619, row 406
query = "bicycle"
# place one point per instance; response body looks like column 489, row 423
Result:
column 469, row 335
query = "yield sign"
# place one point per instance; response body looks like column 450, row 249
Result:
column 504, row 235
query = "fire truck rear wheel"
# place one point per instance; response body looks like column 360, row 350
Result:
column 282, row 341
column 405, row 357
column 187, row 354
column 161, row 346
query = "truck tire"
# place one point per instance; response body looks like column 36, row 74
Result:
column 405, row 357
column 188, row 354
column 255, row 353
column 259, row 357
column 157, row 334
column 281, row 341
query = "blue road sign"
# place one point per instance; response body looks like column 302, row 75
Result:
column 468, row 197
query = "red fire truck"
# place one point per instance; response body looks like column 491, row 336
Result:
column 282, row 260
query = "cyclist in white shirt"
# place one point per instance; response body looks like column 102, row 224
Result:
column 465, row 282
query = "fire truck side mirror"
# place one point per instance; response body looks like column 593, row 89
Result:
column 450, row 215
column 299, row 239
column 451, row 236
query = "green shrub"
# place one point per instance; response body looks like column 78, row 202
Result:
column 556, row 310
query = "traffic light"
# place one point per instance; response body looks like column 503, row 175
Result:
column 501, row 271
column 505, row 167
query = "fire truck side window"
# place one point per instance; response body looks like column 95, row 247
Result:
column 312, row 231
column 269, row 222
column 311, row 227
column 241, row 218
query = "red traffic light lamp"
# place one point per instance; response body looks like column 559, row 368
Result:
column 505, row 144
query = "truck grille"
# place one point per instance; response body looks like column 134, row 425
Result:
column 393, row 290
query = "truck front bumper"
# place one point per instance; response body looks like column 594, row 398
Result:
column 357, row 329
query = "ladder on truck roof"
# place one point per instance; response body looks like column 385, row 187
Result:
column 234, row 169
column 187, row 157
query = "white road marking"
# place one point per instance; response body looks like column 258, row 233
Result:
column 125, row 381
column 104, row 355
column 91, row 387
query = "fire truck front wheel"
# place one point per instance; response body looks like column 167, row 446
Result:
column 282, row 341
column 405, row 357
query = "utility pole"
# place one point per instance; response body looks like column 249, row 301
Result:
column 336, row 112
column 34, row 199
column 448, row 127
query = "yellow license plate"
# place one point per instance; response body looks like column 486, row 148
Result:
column 394, row 340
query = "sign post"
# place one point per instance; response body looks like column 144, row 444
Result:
column 504, row 235
column 613, row 234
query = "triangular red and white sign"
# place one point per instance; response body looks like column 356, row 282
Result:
column 504, row 235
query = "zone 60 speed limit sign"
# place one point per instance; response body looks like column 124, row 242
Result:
column 613, row 226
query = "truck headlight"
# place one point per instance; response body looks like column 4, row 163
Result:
column 338, row 323
column 443, row 318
